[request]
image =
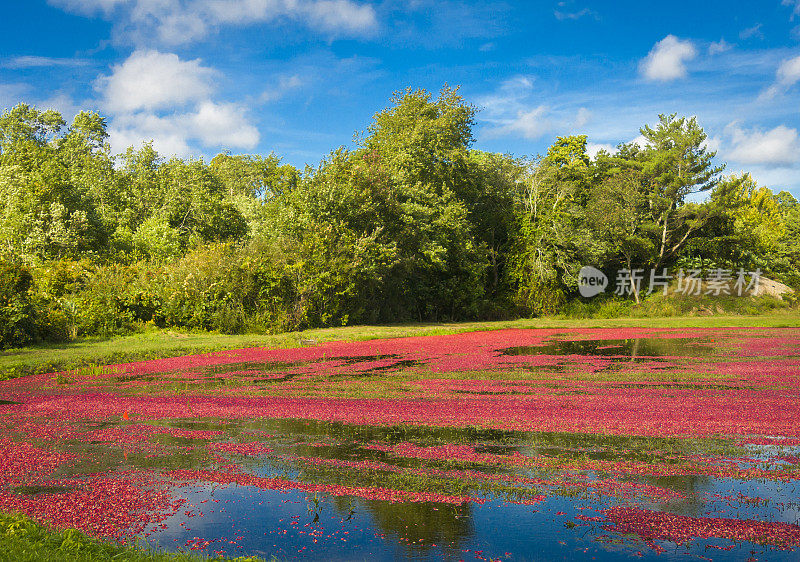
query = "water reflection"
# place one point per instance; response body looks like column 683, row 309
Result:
column 296, row 524
column 622, row 348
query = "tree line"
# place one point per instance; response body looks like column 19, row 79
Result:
column 412, row 224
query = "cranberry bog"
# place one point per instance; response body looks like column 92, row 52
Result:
column 596, row 444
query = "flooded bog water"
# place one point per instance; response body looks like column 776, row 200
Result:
column 509, row 445
column 330, row 491
column 632, row 347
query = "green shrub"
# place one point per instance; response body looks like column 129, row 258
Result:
column 99, row 309
column 18, row 318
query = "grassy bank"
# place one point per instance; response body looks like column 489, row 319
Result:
column 154, row 343
column 23, row 540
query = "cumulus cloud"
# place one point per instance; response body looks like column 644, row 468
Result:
column 157, row 96
column 787, row 75
column 712, row 144
column 341, row 16
column 778, row 147
column 640, row 140
column 154, row 80
column 176, row 22
column 211, row 124
column 667, row 59
column 592, row 149
column 222, row 124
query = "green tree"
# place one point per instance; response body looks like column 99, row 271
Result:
column 418, row 148
column 616, row 213
column 678, row 163
column 552, row 242
column 490, row 196
column 748, row 227
column 158, row 203
column 46, row 205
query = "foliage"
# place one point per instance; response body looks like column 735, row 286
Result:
column 751, row 228
column 18, row 324
column 410, row 224
column 46, row 209
column 552, row 241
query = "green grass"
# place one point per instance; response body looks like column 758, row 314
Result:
column 23, row 540
column 155, row 343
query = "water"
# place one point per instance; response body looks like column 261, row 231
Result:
column 319, row 490
column 623, row 348
column 238, row 519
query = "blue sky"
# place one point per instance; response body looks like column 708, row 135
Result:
column 300, row 77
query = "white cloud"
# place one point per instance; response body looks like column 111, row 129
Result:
column 31, row 61
column 210, row 124
column 561, row 16
column 794, row 4
column 751, row 32
column 667, row 59
column 133, row 130
column 712, row 144
column 88, row 7
column 787, row 75
column 531, row 124
column 12, row 94
column 180, row 28
column 153, row 80
column 511, row 114
column 582, row 118
column 717, row 47
column 157, row 96
column 511, row 111
column 341, row 17
column 778, row 147
column 285, row 85
column 510, row 96
column 240, row 11
column 336, row 16
column 593, row 148
column 222, row 124
column 789, row 72
column 176, row 22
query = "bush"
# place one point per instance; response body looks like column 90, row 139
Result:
column 18, row 318
column 100, row 308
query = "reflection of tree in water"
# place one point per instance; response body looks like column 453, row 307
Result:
column 445, row 525
column 633, row 347
column 691, row 486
